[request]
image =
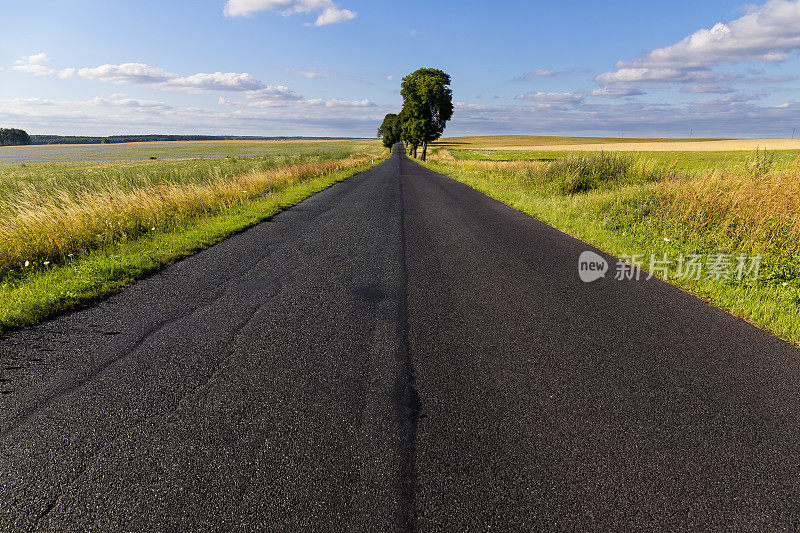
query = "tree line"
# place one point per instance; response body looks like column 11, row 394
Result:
column 113, row 139
column 427, row 106
column 13, row 137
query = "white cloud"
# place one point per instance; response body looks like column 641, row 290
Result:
column 539, row 73
column 722, row 117
column 345, row 103
column 127, row 115
column 36, row 70
column 708, row 88
column 129, row 103
column 133, row 73
column 767, row 33
column 141, row 74
column 309, row 74
column 274, row 93
column 34, row 64
column 552, row 98
column 66, row 73
column 333, row 15
column 328, row 11
column 35, row 59
column 218, row 81
column 617, row 91
column 389, row 78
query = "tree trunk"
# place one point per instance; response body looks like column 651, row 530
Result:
column 415, row 152
column 424, row 150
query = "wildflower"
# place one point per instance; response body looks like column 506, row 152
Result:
column 666, row 239
column 27, row 263
column 153, row 229
column 46, row 263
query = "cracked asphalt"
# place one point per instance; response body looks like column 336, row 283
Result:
column 398, row 352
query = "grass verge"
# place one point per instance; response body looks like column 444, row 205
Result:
column 28, row 297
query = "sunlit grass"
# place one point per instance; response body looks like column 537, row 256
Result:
column 70, row 233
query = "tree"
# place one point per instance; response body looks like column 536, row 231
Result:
column 412, row 131
column 428, row 102
column 390, row 131
column 13, row 137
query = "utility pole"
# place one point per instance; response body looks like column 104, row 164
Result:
column 691, row 133
column 793, row 130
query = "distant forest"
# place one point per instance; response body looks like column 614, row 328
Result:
column 70, row 139
column 13, row 137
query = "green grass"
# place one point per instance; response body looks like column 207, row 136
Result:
column 680, row 160
column 628, row 217
column 75, row 177
column 29, row 298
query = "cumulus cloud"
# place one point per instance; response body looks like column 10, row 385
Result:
column 617, row 91
column 274, row 93
column 117, row 112
column 552, row 98
column 767, row 33
column 36, row 64
column 722, row 117
column 346, row 103
column 141, row 74
column 328, row 12
column 129, row 103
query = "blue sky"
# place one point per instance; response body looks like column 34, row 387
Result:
column 325, row 67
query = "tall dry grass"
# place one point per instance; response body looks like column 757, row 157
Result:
column 47, row 226
column 744, row 207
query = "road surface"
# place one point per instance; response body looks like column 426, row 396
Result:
column 398, row 352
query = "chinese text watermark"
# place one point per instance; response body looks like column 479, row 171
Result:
column 632, row 267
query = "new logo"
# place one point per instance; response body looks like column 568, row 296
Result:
column 591, row 267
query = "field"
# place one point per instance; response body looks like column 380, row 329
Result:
column 589, row 144
column 71, row 232
column 166, row 150
column 679, row 201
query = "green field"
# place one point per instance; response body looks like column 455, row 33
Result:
column 682, row 160
column 74, row 232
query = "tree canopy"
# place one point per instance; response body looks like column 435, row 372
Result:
column 427, row 106
column 13, row 137
column 428, row 103
column 390, row 130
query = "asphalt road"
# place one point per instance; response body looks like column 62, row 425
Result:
column 397, row 352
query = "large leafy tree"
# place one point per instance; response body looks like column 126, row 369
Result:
column 427, row 104
column 412, row 131
column 13, row 137
column 390, row 130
